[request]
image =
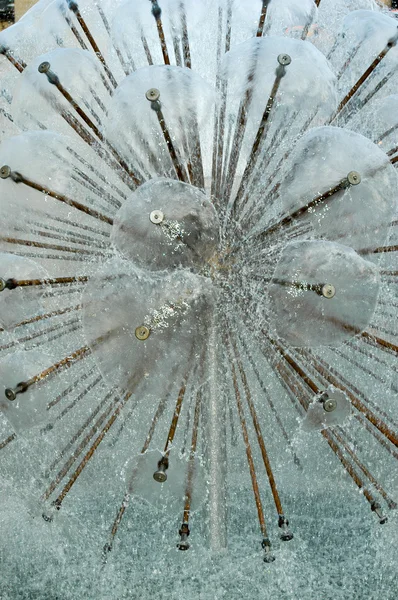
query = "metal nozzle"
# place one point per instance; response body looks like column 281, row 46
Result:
column 160, row 475
column 266, row 545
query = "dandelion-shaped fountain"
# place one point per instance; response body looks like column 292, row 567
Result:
column 198, row 261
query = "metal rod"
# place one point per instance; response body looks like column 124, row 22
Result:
column 19, row 178
column 185, row 39
column 160, row 475
column 355, row 401
column 339, row 435
column 45, row 68
column 34, row 244
column 79, row 449
column 332, row 443
column 353, row 178
column 22, row 387
column 282, row 521
column 391, row 43
column 73, row 6
column 130, row 487
column 20, row 65
column 153, row 96
column 157, row 13
column 59, row 500
column 260, row 512
column 263, row 16
column 184, row 529
column 5, row 442
column 11, row 284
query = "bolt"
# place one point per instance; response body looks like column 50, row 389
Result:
column 44, row 67
column 330, row 405
column 5, row 172
column 156, row 217
column 160, row 475
column 328, row 291
column 142, row 333
column 10, row 394
column 353, row 178
column 152, row 95
column 284, row 60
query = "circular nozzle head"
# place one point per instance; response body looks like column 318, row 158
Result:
column 160, row 475
column 5, row 172
column 328, row 291
column 10, row 394
column 44, row 67
column 269, row 558
column 330, row 404
column 142, row 333
column 183, row 545
column 354, row 178
column 3, row 284
column 284, row 60
column 152, row 95
column 156, row 217
column 286, row 536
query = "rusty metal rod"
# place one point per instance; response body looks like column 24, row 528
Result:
column 33, row 244
column 5, row 442
column 20, row 65
column 288, row 219
column 249, row 455
column 282, row 521
column 157, row 13
column 45, row 68
column 19, row 178
column 263, row 16
column 73, row 6
column 61, row 497
column 391, row 43
column 339, row 435
column 179, row 168
column 184, row 529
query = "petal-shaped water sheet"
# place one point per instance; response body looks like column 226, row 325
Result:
column 276, row 86
column 321, row 294
column 21, row 303
column 356, row 215
column 166, row 223
column 289, row 17
column 331, row 408
column 365, row 33
column 170, row 494
column 379, row 122
column 27, row 409
column 135, row 34
column 159, row 110
column 39, row 102
column 142, row 325
column 42, row 161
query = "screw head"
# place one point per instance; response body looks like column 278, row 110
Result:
column 10, row 394
column 328, row 291
column 183, row 545
column 152, row 95
column 44, row 67
column 142, row 332
column 330, row 405
column 3, row 284
column 284, row 60
column 353, row 178
column 160, row 476
column 5, row 171
column 156, row 217
column 286, row 536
